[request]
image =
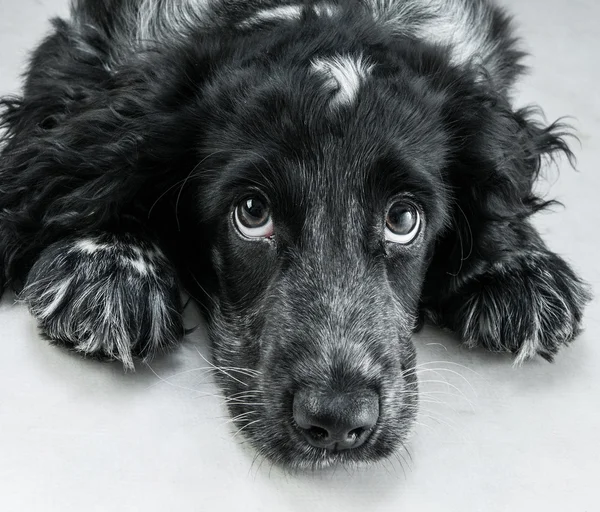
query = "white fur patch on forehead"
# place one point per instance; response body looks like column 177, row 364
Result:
column 343, row 75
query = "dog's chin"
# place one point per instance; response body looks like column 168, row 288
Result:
column 311, row 458
column 296, row 455
column 275, row 437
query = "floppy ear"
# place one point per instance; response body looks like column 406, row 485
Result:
column 87, row 145
column 497, row 154
column 492, row 279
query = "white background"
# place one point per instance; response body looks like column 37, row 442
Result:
column 78, row 435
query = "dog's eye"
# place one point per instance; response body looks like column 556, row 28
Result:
column 402, row 223
column 253, row 217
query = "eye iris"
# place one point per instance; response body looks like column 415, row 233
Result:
column 401, row 219
column 254, row 212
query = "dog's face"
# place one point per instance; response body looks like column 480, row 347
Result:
column 321, row 212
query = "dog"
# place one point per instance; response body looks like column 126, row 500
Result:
column 321, row 176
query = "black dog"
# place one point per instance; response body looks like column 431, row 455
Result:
column 320, row 175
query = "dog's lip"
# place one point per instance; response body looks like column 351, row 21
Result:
column 328, row 457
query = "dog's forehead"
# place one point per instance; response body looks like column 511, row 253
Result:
column 315, row 136
column 342, row 160
column 342, row 75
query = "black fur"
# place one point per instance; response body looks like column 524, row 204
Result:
column 126, row 156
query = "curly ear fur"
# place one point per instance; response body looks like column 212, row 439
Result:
column 497, row 156
column 80, row 144
column 492, row 254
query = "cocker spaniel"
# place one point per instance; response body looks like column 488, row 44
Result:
column 320, row 175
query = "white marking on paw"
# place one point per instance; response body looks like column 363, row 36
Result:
column 58, row 292
column 548, row 303
column 159, row 316
column 108, row 336
column 344, row 75
column 547, row 323
column 104, row 308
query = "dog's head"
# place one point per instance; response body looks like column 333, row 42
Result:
column 320, row 195
column 324, row 181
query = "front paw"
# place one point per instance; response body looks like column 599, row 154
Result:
column 531, row 304
column 107, row 296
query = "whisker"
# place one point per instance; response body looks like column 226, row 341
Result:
column 163, row 380
column 245, row 426
column 248, row 392
column 205, row 370
column 437, row 370
column 444, row 421
column 241, row 402
column 239, row 417
column 224, row 372
column 404, row 447
column 164, row 194
column 448, row 362
column 461, row 393
column 401, row 460
column 208, row 295
column 419, row 424
column 184, row 183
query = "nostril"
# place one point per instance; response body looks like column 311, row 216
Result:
column 336, row 421
column 356, row 433
column 318, row 433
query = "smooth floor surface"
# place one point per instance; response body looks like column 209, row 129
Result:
column 78, row 435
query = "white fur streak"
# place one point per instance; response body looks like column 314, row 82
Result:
column 56, row 293
column 108, row 337
column 158, row 318
column 283, row 13
column 454, row 24
column 457, row 24
column 157, row 19
column 288, row 13
column 327, row 9
column 547, row 308
column 90, row 246
column 343, row 74
column 104, row 307
column 139, row 264
column 91, row 334
column 548, row 303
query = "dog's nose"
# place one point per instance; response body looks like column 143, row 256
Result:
column 336, row 421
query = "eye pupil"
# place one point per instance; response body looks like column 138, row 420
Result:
column 253, row 212
column 401, row 219
column 254, row 208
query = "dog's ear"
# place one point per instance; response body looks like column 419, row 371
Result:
column 496, row 156
column 86, row 144
column 499, row 153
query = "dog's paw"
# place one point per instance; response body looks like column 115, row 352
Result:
column 107, row 296
column 532, row 304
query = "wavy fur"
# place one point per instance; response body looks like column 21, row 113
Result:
column 144, row 124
